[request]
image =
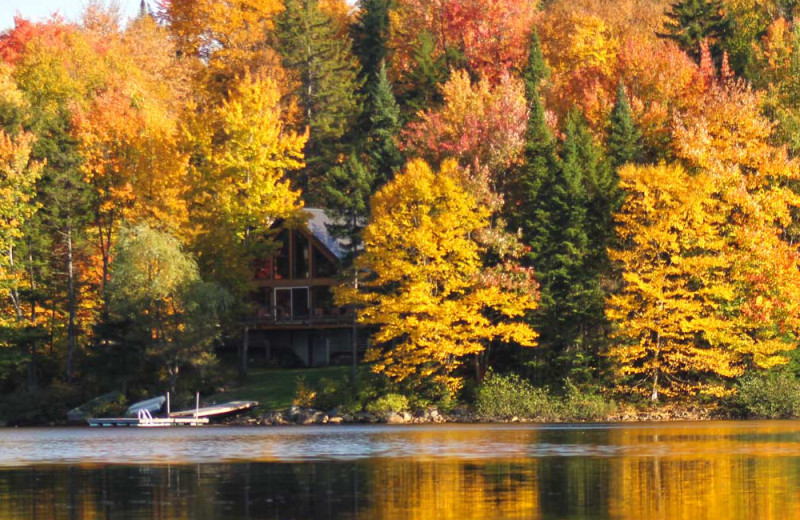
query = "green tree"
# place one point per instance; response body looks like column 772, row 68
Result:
column 155, row 286
column 384, row 117
column 421, row 89
column 624, row 140
column 327, row 87
column 536, row 70
column 370, row 34
column 693, row 21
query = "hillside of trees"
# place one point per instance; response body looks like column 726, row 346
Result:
column 586, row 196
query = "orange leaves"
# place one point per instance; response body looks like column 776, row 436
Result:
column 480, row 125
column 737, row 277
column 492, row 35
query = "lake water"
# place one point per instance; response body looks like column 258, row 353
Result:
column 706, row 470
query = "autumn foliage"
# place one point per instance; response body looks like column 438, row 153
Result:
column 613, row 182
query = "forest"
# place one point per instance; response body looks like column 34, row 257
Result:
column 563, row 198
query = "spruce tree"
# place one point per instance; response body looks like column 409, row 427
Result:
column 328, row 85
column 370, row 34
column 426, row 76
column 348, row 188
column 384, row 119
column 692, row 21
column 536, row 70
column 624, row 141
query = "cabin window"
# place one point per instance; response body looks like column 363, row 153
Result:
column 263, row 268
column 283, row 304
column 300, row 302
column 323, row 267
column 322, row 300
column 301, row 263
column 281, row 264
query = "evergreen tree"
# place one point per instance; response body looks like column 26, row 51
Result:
column 370, row 34
column 692, row 21
column 384, row 118
column 328, row 85
column 624, row 141
column 348, row 188
column 536, row 70
column 426, row 76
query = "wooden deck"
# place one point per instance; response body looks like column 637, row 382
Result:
column 217, row 410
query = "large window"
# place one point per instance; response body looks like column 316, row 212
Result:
column 300, row 302
column 323, row 267
column 300, row 256
column 283, row 304
column 282, row 266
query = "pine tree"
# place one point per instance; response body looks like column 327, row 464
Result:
column 624, row 141
column 426, row 76
column 536, row 70
column 370, row 34
column 347, row 189
column 384, row 118
column 694, row 21
column 328, row 84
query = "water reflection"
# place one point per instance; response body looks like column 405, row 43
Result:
column 690, row 471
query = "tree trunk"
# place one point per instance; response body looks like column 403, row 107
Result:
column 68, row 371
column 243, row 357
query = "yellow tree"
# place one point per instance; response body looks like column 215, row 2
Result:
column 673, row 336
column 240, row 185
column 257, row 152
column 425, row 289
column 729, row 139
column 18, row 176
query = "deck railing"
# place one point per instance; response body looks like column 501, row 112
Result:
column 266, row 317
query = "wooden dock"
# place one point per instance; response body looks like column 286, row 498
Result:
column 217, row 410
column 145, row 420
column 135, row 422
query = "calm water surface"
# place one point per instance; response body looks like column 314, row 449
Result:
column 708, row 470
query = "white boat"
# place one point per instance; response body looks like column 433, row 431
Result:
column 153, row 405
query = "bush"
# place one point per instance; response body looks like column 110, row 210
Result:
column 389, row 403
column 506, row 396
column 304, row 394
column 48, row 405
column 770, row 396
column 585, row 405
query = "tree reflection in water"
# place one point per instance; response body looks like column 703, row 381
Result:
column 634, row 473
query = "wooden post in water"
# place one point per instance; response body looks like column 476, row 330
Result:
column 168, row 404
column 196, row 404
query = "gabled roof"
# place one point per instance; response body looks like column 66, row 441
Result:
column 319, row 224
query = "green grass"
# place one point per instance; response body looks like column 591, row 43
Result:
column 275, row 388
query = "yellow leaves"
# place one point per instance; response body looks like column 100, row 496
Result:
column 670, row 317
column 422, row 286
column 18, row 176
column 258, row 150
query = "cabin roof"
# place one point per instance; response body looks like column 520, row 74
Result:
column 319, row 224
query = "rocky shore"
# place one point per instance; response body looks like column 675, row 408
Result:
column 299, row 416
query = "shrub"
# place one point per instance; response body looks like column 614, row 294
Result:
column 585, row 405
column 769, row 396
column 506, row 396
column 304, row 394
column 389, row 403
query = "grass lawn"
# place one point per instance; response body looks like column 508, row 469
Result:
column 274, row 388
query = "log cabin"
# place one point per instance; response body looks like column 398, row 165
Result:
column 295, row 321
